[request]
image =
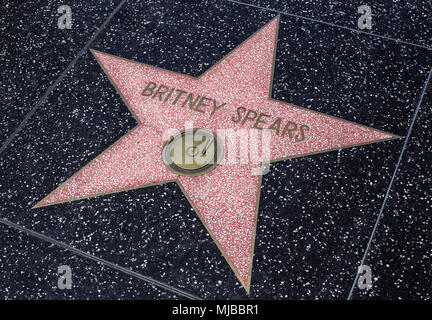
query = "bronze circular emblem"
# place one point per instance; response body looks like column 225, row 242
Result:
column 193, row 152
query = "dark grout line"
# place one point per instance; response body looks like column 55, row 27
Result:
column 86, row 255
column 391, row 183
column 331, row 24
column 59, row 79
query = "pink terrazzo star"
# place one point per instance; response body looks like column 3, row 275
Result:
column 226, row 199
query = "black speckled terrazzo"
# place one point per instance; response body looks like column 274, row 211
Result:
column 34, row 51
column 316, row 213
column 28, row 270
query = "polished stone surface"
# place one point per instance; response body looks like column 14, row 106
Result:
column 402, row 19
column 34, row 51
column 29, row 270
column 316, row 213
